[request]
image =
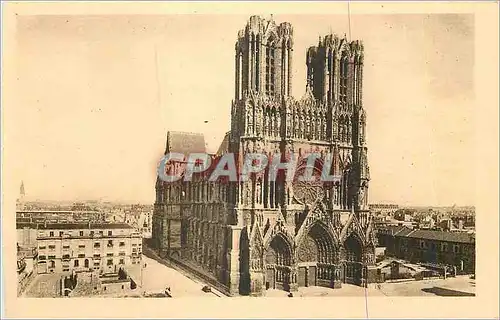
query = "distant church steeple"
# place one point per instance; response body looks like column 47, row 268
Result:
column 20, row 201
column 21, row 191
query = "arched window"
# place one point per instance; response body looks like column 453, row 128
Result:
column 348, row 130
column 329, row 62
column 330, row 73
column 270, row 71
column 257, row 61
column 343, row 78
column 240, row 75
column 356, row 77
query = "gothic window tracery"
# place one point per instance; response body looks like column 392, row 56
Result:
column 270, row 70
column 355, row 82
column 343, row 78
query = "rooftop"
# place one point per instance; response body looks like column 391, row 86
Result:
column 185, row 142
column 57, row 211
column 397, row 230
column 72, row 226
column 460, row 237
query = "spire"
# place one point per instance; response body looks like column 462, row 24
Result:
column 21, row 190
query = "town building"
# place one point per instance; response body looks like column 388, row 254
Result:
column 262, row 234
column 27, row 258
column 59, row 216
column 145, row 224
column 426, row 222
column 430, row 246
column 67, row 247
column 383, row 208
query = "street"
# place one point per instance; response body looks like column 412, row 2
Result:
column 459, row 286
column 156, row 277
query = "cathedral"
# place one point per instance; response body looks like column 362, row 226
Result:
column 251, row 236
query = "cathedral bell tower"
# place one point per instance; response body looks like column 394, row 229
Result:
column 263, row 81
column 264, row 58
column 335, row 77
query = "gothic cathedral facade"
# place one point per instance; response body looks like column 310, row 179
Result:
column 261, row 234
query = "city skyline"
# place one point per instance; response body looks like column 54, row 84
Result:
column 71, row 119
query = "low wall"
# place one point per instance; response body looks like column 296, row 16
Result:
column 115, row 286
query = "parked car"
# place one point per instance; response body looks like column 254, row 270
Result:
column 206, row 289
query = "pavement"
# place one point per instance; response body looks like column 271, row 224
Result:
column 43, row 286
column 458, row 286
column 156, row 277
column 347, row 290
column 455, row 286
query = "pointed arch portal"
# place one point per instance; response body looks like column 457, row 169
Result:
column 278, row 259
column 316, row 255
column 353, row 272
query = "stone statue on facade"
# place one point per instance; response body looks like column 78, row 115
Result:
column 361, row 197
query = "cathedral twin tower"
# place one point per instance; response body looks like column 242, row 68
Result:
column 330, row 117
column 264, row 59
column 263, row 234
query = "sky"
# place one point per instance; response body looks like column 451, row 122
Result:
column 96, row 96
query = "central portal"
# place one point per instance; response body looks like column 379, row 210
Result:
column 316, row 258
